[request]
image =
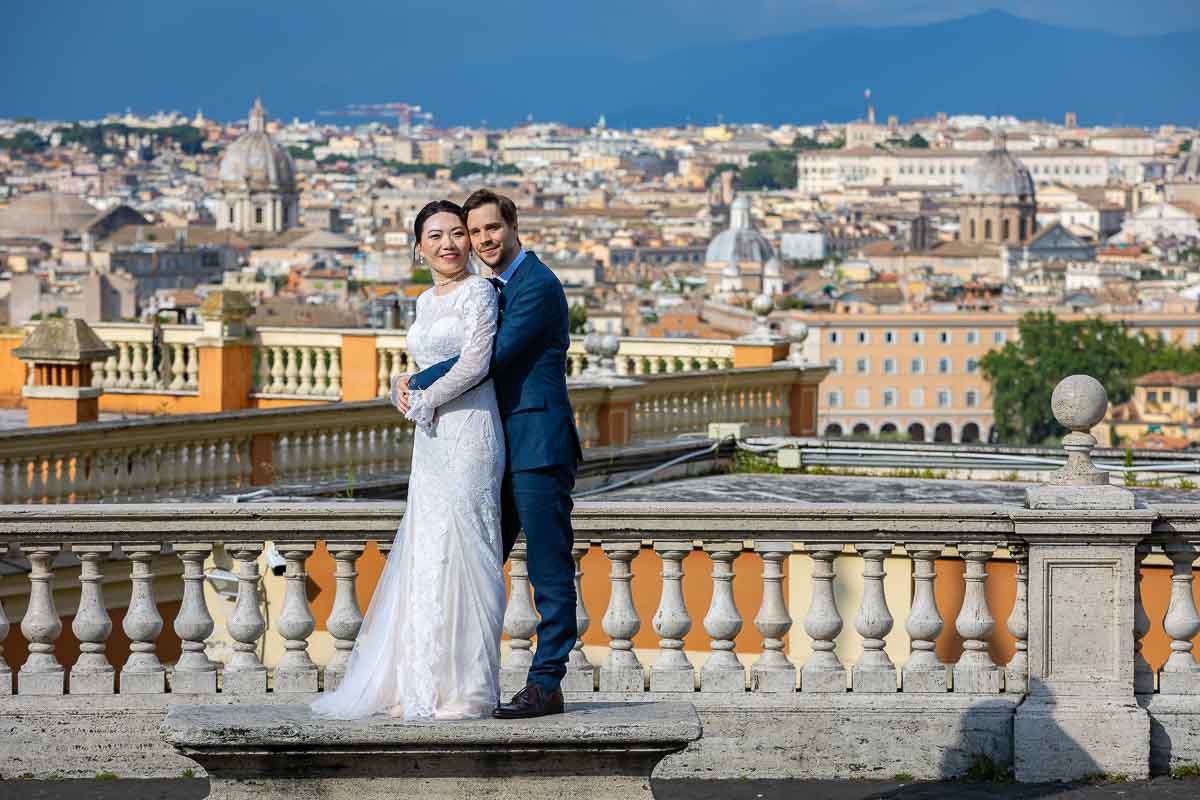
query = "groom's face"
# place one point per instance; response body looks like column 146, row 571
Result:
column 494, row 240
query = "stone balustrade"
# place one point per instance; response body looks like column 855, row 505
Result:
column 297, row 363
column 189, row 455
column 1066, row 621
column 136, row 368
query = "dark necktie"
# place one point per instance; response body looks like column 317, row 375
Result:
column 499, row 284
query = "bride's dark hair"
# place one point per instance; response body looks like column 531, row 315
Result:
column 435, row 207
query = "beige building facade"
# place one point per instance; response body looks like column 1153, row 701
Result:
column 917, row 376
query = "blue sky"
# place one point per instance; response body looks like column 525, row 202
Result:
column 66, row 59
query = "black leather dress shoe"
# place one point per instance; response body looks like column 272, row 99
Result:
column 532, row 701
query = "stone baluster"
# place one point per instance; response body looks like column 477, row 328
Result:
column 672, row 672
column 91, row 673
column 581, row 674
column 334, row 389
column 874, row 671
column 1143, row 674
column 520, row 622
column 1016, row 673
column 41, row 674
column 823, row 672
column 112, row 372
column 98, row 374
column 193, row 368
column 1180, row 674
column 305, row 386
column 178, row 367
column 194, row 673
column 345, row 618
column 124, row 374
column 381, row 375
column 6, row 683
column 245, row 673
column 773, row 672
column 722, row 672
column 975, row 671
column 143, row 673
column 296, row 671
column 320, row 373
column 291, row 372
column 923, row 672
column 276, row 386
column 139, row 366
column 622, row 671
column 262, row 375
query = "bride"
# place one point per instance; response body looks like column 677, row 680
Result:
column 429, row 645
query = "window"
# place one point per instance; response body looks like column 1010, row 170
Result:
column 834, row 399
column 862, row 366
column 1192, row 395
column 889, row 398
column 1166, row 395
column 943, row 398
column 916, row 398
column 258, row 217
column 972, row 337
column 1004, row 230
column 918, row 337
column 889, row 366
column 836, row 364
column 999, row 337
column 864, row 337
column 973, row 229
column 835, row 337
column 889, row 337
column 972, row 398
column 943, row 337
column 987, row 229
column 1151, row 397
column 231, row 215
column 917, row 366
column 862, row 397
column 972, row 365
column 944, row 366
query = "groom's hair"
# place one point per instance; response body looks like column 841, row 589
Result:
column 483, row 197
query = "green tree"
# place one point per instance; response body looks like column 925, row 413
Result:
column 715, row 175
column 23, row 142
column 421, row 276
column 918, row 142
column 577, row 319
column 464, row 168
column 301, row 153
column 1024, row 372
column 770, row 169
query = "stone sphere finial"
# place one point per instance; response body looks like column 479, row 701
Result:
column 762, row 305
column 798, row 331
column 1079, row 402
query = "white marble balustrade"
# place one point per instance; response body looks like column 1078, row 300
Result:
column 295, row 363
column 138, row 366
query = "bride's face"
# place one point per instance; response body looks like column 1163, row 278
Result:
column 445, row 244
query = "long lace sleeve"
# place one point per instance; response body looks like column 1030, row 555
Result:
column 478, row 311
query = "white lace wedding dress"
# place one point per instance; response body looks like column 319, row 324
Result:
column 429, row 645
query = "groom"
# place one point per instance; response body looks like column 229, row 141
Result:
column 529, row 373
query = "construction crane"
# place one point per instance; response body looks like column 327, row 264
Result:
column 404, row 113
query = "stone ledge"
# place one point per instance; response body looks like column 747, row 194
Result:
column 606, row 752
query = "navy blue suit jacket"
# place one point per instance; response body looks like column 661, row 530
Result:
column 529, row 368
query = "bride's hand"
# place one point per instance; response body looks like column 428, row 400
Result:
column 399, row 393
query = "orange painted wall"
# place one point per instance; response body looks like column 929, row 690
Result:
column 153, row 404
column 360, row 368
column 12, row 371
column 273, row 402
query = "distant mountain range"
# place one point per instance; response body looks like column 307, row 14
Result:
column 989, row 63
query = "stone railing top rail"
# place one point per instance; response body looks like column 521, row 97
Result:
column 733, row 523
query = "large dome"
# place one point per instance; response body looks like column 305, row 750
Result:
column 45, row 215
column 740, row 243
column 998, row 172
column 256, row 160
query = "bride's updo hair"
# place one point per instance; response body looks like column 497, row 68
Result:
column 435, row 207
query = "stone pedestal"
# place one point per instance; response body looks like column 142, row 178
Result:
column 60, row 353
column 604, row 752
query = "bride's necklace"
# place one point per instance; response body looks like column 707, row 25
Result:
column 439, row 281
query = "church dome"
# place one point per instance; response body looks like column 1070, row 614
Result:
column 45, row 215
column 998, row 172
column 740, row 243
column 255, row 159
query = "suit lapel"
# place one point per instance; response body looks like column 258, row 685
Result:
column 511, row 288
